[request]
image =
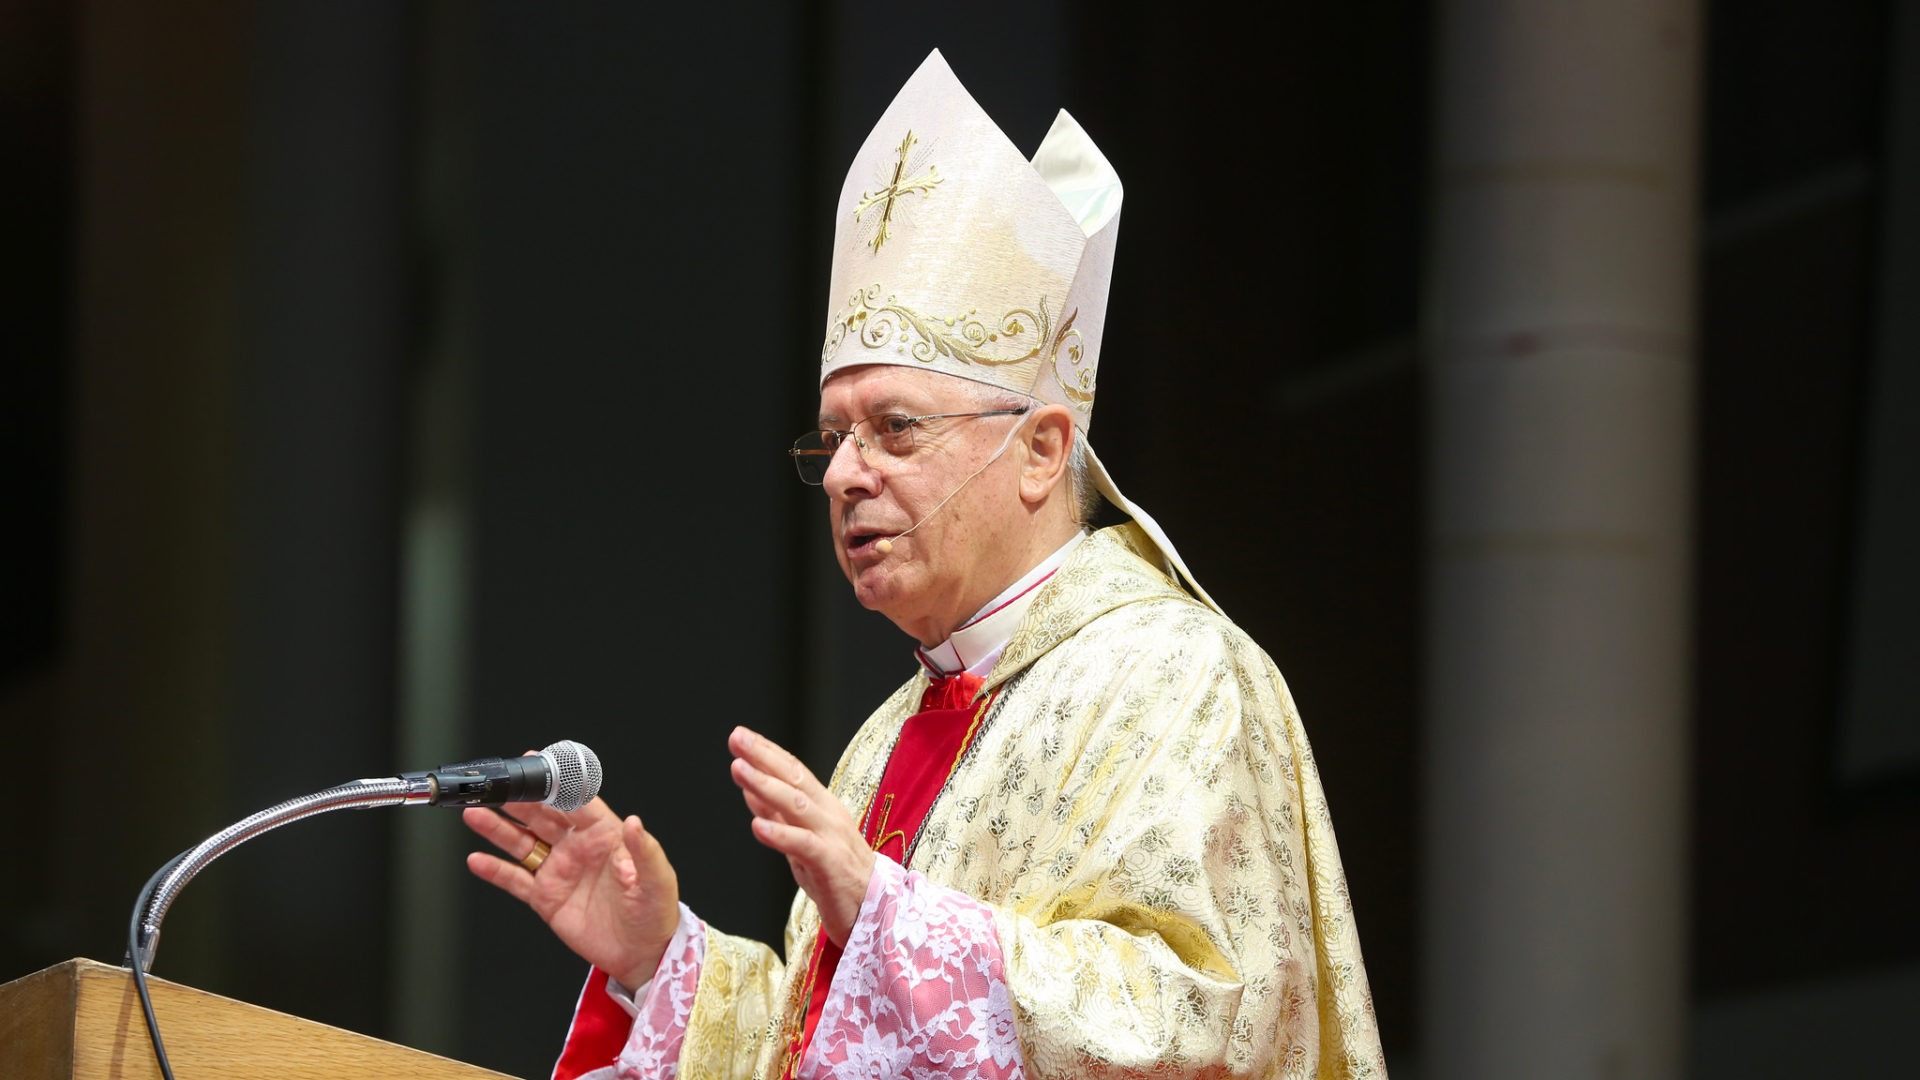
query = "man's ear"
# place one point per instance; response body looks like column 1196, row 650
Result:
column 1047, row 446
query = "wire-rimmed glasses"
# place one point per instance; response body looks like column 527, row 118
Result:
column 876, row 439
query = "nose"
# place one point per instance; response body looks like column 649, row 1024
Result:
column 848, row 472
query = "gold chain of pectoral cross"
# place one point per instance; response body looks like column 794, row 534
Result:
column 899, row 186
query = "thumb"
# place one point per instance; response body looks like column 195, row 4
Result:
column 640, row 846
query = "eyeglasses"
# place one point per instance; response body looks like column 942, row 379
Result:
column 878, row 438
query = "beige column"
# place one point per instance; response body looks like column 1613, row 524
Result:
column 1559, row 335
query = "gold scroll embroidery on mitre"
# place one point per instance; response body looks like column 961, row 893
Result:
column 984, row 264
column 877, row 320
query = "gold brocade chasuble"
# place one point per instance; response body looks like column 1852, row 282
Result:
column 1142, row 811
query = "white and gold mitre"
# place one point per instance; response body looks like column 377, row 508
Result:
column 955, row 253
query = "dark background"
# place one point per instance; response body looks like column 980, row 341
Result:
column 385, row 383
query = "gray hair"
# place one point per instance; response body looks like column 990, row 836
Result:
column 1084, row 496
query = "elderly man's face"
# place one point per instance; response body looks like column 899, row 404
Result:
column 938, row 576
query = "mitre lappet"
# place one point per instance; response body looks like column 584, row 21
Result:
column 954, row 252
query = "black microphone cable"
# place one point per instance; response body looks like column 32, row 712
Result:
column 140, row 969
column 565, row 776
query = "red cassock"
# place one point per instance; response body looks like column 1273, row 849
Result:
column 931, row 744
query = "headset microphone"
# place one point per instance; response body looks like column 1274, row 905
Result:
column 884, row 545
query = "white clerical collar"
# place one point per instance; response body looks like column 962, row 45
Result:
column 978, row 644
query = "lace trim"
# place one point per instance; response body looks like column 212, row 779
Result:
column 919, row 991
column 653, row 1048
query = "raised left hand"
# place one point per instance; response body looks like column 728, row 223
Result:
column 796, row 815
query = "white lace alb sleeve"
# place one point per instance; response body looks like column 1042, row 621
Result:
column 660, row 1009
column 919, row 991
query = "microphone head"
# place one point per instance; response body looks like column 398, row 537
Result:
column 883, row 545
column 576, row 775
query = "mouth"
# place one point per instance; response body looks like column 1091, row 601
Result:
column 860, row 543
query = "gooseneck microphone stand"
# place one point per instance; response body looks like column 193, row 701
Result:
column 154, row 900
column 150, row 907
column 565, row 776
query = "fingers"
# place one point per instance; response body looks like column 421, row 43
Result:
column 765, row 755
column 499, row 830
column 550, row 824
column 641, row 846
column 769, row 796
column 759, row 807
column 775, row 782
column 789, row 840
column 502, row 831
column 507, row 876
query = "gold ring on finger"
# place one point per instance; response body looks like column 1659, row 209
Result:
column 541, row 849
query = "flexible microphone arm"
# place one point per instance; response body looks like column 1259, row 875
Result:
column 358, row 795
column 566, row 775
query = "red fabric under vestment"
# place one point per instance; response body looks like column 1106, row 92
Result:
column 600, row 1029
column 931, row 743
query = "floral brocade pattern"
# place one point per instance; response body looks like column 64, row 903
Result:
column 729, row 1019
column 1142, row 813
column 919, row 992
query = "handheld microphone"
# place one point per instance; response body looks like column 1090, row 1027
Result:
column 565, row 776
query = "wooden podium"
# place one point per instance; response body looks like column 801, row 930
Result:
column 81, row 1021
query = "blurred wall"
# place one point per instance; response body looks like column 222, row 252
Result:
column 631, row 308
column 1803, row 875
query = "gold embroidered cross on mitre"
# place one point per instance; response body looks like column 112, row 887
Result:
column 900, row 185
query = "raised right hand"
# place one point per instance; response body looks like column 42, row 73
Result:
column 606, row 890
